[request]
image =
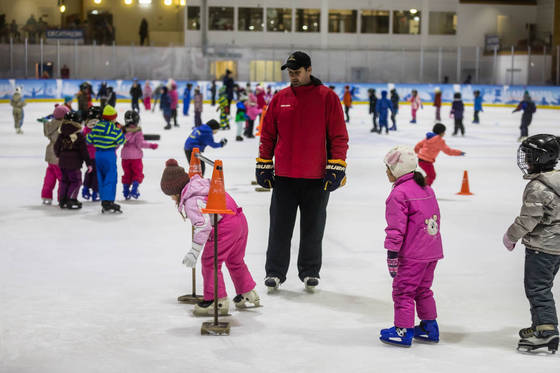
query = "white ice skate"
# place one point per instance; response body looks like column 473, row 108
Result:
column 311, row 283
column 543, row 336
column 206, row 307
column 241, row 300
column 47, row 201
column 272, row 283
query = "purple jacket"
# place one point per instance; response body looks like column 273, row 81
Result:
column 193, row 199
column 174, row 97
column 413, row 221
column 198, row 102
column 132, row 148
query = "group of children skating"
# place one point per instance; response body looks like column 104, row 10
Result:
column 73, row 142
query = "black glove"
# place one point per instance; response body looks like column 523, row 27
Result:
column 223, row 142
column 265, row 173
column 335, row 175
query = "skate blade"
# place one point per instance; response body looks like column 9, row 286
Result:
column 271, row 289
column 254, row 183
column 425, row 341
column 394, row 344
column 261, row 189
column 247, row 308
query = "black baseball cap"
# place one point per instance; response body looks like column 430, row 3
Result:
column 297, row 60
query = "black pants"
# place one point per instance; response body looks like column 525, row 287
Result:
column 347, row 111
column 525, row 122
column 374, row 115
column 174, row 117
column 394, row 119
column 459, row 126
column 476, row 118
column 135, row 106
column 249, row 128
column 188, row 153
column 289, row 194
column 90, row 179
column 540, row 270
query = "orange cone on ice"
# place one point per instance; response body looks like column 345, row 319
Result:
column 217, row 196
column 194, row 167
column 465, row 190
column 259, row 128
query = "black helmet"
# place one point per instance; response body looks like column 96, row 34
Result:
column 538, row 153
column 131, row 117
column 74, row 116
column 94, row 112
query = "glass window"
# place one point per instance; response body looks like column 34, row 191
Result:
column 343, row 21
column 443, row 23
column 265, row 71
column 220, row 18
column 375, row 21
column 279, row 19
column 193, row 18
column 250, row 19
column 308, row 20
column 407, row 22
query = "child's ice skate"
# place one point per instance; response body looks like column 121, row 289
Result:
column 73, row 204
column 134, row 192
column 47, row 201
column 94, row 196
column 543, row 336
column 206, row 307
column 241, row 300
column 272, row 283
column 110, row 207
column 401, row 337
column 62, row 203
column 126, row 191
column 427, row 331
column 85, row 193
column 311, row 283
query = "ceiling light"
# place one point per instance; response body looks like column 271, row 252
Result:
column 97, row 1
column 94, row 11
column 413, row 11
column 304, row 27
column 167, row 2
column 62, row 8
column 417, row 18
column 144, row 2
column 127, row 2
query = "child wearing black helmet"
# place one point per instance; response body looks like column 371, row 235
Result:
column 132, row 155
column 538, row 225
column 203, row 136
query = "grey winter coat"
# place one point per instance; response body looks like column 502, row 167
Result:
column 50, row 130
column 17, row 104
column 539, row 221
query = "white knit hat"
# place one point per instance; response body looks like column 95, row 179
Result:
column 401, row 160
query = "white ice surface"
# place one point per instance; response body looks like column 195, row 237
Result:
column 85, row 292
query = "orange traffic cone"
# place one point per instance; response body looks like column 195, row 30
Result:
column 259, row 128
column 217, row 196
column 465, row 190
column 194, row 167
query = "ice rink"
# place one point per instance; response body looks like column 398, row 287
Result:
column 86, row 292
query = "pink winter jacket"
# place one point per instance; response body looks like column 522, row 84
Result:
column 193, row 199
column 413, row 221
column 90, row 147
column 132, row 148
column 147, row 92
column 174, row 97
column 415, row 102
column 253, row 110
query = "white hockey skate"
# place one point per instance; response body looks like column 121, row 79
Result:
column 206, row 307
column 311, row 283
column 241, row 300
column 540, row 337
column 47, row 201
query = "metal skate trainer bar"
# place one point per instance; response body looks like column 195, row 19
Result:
column 205, row 160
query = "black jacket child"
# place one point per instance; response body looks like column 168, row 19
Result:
column 70, row 147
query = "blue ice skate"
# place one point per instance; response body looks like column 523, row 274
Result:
column 427, row 331
column 397, row 336
column 85, row 193
column 126, row 191
column 134, row 192
column 94, row 196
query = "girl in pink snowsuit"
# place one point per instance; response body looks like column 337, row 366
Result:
column 415, row 104
column 413, row 245
column 147, row 91
column 191, row 195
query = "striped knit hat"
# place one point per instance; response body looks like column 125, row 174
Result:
column 109, row 113
column 174, row 178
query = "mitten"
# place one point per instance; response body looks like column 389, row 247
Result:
column 507, row 243
column 265, row 173
column 154, row 146
column 335, row 175
column 223, row 142
column 192, row 255
column 392, row 262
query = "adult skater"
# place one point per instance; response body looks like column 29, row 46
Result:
column 382, row 108
column 135, row 95
column 228, row 84
column 304, row 130
column 372, row 106
column 529, row 108
column 395, row 101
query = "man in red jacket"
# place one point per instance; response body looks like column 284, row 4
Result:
column 304, row 131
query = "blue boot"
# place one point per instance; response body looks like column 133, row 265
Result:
column 94, row 196
column 397, row 336
column 85, row 193
column 126, row 191
column 427, row 331
column 135, row 193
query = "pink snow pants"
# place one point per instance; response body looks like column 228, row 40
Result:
column 147, row 103
column 232, row 240
column 414, row 113
column 133, row 171
column 412, row 285
column 51, row 176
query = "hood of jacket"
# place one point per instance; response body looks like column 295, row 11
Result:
column 551, row 179
column 196, row 187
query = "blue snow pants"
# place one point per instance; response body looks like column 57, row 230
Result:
column 106, row 162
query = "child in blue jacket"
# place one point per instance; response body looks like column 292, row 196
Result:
column 201, row 137
column 187, row 97
column 382, row 108
column 477, row 106
column 457, row 110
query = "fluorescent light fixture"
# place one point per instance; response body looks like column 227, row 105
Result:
column 182, row 2
column 97, row 1
column 127, row 2
column 413, row 11
column 167, row 2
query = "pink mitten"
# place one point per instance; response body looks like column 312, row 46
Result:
column 154, row 146
column 507, row 243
